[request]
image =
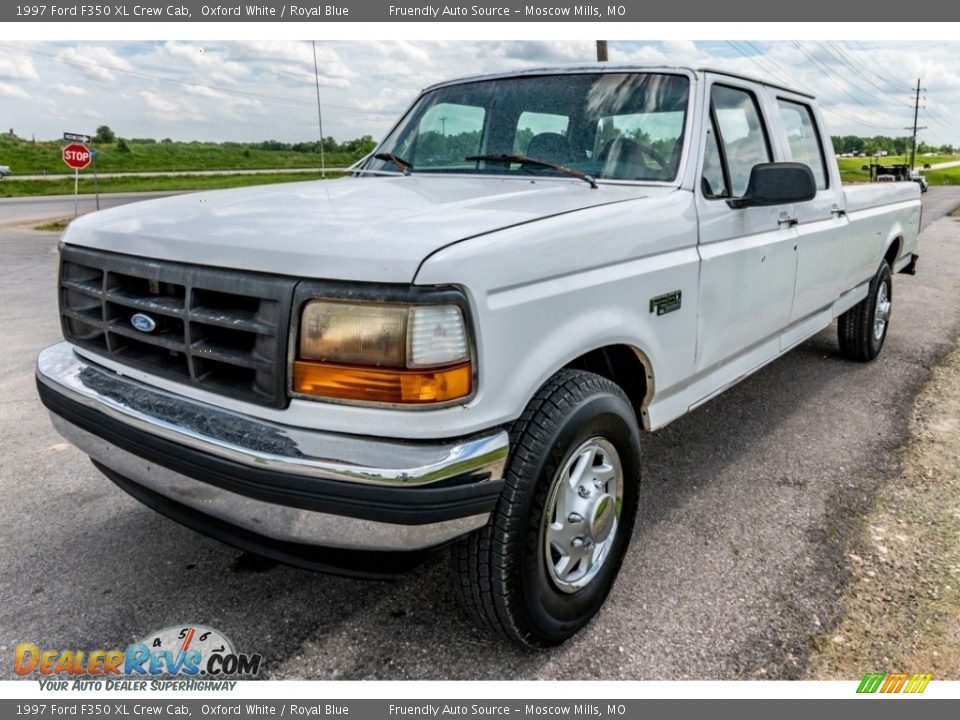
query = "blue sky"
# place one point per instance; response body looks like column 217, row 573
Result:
column 226, row 90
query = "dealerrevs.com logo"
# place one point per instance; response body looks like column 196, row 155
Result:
column 888, row 683
column 203, row 657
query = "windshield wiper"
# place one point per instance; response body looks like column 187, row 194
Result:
column 396, row 160
column 525, row 160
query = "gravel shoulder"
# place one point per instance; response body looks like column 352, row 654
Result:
column 901, row 611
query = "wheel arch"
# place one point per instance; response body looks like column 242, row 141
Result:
column 892, row 252
column 626, row 365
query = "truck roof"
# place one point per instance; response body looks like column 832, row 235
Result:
column 607, row 67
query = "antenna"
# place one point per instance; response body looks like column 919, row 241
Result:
column 316, row 77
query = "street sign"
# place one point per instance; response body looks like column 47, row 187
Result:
column 76, row 156
column 76, row 137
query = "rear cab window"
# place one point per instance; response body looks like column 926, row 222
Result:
column 530, row 124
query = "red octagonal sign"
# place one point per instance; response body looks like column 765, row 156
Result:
column 76, row 156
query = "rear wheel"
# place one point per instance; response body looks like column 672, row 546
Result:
column 863, row 328
column 545, row 563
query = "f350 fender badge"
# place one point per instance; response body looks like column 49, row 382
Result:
column 143, row 322
column 662, row 304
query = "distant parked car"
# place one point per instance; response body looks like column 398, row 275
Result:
column 917, row 177
column 5, row 171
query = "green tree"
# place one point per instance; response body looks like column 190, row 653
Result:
column 122, row 146
column 104, row 135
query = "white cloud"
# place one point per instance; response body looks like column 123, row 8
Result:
column 287, row 60
column 210, row 63
column 69, row 89
column 169, row 108
column 12, row 91
column 158, row 103
column 95, row 61
column 17, row 66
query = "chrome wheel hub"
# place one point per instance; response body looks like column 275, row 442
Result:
column 881, row 314
column 582, row 514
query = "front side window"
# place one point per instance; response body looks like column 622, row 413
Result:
column 741, row 134
column 713, row 181
column 613, row 126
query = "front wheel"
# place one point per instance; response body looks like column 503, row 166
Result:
column 863, row 328
column 543, row 566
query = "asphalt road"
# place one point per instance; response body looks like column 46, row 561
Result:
column 735, row 565
column 25, row 210
column 172, row 173
column 937, row 202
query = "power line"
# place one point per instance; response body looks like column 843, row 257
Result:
column 754, row 60
column 779, row 73
column 883, row 77
column 888, row 96
column 830, row 75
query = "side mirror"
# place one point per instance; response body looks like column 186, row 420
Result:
column 777, row 183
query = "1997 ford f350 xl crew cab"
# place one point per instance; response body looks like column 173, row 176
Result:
column 461, row 343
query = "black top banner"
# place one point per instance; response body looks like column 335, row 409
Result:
column 488, row 11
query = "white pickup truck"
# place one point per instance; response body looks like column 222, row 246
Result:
column 461, row 343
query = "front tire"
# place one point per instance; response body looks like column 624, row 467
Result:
column 543, row 566
column 863, row 328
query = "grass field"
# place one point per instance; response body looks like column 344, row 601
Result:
column 949, row 176
column 26, row 157
column 851, row 169
column 33, row 188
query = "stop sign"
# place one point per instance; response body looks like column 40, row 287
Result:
column 76, row 156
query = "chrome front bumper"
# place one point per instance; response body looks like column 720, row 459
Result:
column 290, row 485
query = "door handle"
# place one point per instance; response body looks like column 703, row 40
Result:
column 788, row 220
column 838, row 211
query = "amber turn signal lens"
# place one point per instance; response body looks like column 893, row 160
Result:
column 386, row 385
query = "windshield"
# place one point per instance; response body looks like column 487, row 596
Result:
column 612, row 126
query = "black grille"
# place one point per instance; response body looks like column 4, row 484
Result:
column 221, row 330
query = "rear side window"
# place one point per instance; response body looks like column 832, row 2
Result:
column 741, row 134
column 805, row 145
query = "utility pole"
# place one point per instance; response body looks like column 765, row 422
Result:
column 602, row 51
column 916, row 111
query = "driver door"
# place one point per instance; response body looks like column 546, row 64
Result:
column 748, row 255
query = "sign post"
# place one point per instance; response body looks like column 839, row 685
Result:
column 78, row 157
column 96, row 184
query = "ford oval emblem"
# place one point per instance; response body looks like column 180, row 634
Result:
column 143, row 322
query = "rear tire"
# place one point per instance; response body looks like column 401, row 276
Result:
column 863, row 328
column 544, row 564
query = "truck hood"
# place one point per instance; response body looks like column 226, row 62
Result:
column 373, row 229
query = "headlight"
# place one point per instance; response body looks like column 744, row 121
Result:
column 383, row 352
